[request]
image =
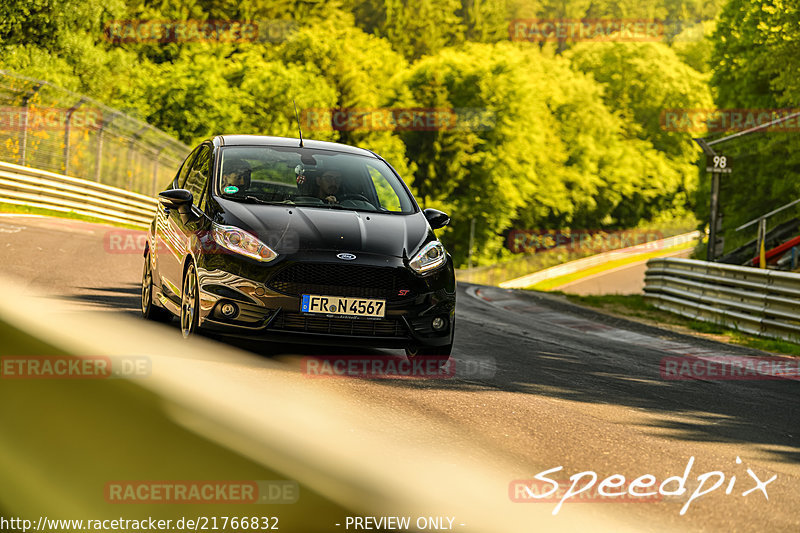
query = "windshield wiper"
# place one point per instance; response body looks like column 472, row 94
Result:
column 256, row 200
column 249, row 198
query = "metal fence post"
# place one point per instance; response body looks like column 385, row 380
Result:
column 762, row 243
column 25, row 102
column 711, row 252
column 70, row 111
column 98, row 162
column 155, row 171
column 471, row 242
column 129, row 170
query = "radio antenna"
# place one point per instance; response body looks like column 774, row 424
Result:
column 298, row 122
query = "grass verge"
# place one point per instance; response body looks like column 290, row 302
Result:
column 28, row 210
column 635, row 307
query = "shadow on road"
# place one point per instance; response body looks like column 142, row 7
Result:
column 126, row 299
column 532, row 354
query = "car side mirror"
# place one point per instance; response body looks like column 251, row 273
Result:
column 436, row 218
column 179, row 199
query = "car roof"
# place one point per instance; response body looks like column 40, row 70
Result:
column 266, row 140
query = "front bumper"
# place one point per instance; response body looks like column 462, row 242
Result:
column 262, row 312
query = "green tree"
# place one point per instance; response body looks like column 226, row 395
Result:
column 642, row 82
column 361, row 68
column 694, row 45
column 757, row 54
column 45, row 22
column 756, row 58
column 413, row 27
column 491, row 169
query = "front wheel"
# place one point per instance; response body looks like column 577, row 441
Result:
column 190, row 300
column 151, row 311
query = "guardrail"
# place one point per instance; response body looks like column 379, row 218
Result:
column 753, row 300
column 598, row 259
column 48, row 127
column 31, row 187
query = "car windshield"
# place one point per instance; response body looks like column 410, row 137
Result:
column 310, row 178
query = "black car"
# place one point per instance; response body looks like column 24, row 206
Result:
column 301, row 241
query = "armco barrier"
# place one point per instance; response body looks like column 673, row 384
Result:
column 753, row 300
column 38, row 188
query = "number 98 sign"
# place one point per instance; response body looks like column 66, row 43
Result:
column 718, row 164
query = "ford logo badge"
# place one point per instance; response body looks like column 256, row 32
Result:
column 346, row 257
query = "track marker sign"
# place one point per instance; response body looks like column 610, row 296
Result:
column 718, row 164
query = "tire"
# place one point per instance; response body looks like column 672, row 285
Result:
column 441, row 354
column 150, row 311
column 190, row 302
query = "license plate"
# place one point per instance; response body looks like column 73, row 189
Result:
column 339, row 305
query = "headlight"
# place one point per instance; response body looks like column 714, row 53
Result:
column 239, row 241
column 431, row 257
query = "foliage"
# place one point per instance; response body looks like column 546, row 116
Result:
column 756, row 57
column 560, row 136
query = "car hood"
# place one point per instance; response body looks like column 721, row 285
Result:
column 289, row 229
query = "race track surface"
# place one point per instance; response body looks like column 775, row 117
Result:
column 559, row 385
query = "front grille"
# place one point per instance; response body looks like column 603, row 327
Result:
column 342, row 280
column 385, row 327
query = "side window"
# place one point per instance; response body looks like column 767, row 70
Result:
column 180, row 179
column 198, row 175
column 386, row 195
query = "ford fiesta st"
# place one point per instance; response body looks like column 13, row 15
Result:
column 300, row 241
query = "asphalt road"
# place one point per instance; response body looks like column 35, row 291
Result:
column 560, row 386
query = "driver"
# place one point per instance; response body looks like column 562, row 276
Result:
column 237, row 174
column 328, row 186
